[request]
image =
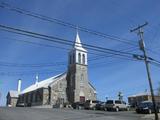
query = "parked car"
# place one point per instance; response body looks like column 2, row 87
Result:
column 116, row 105
column 20, row 105
column 91, row 104
column 78, row 105
column 100, row 106
column 147, row 107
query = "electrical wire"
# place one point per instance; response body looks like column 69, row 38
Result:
column 63, row 41
column 66, row 24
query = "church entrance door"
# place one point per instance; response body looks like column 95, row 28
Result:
column 82, row 99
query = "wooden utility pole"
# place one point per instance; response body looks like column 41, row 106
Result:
column 142, row 48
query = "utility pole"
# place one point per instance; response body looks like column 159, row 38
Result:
column 142, row 48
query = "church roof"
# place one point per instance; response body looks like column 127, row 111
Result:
column 92, row 87
column 43, row 84
column 78, row 44
column 13, row 93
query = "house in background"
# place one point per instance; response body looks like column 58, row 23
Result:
column 136, row 99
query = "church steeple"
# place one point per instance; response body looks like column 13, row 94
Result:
column 77, row 41
column 78, row 44
column 77, row 77
column 78, row 55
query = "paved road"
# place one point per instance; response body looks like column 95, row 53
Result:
column 64, row 114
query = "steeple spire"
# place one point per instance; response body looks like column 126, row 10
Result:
column 77, row 43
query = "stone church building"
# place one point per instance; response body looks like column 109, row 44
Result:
column 66, row 88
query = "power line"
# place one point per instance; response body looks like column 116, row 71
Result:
column 106, row 56
column 36, row 43
column 7, row 64
column 66, row 24
column 27, row 73
column 46, row 45
column 99, row 56
column 125, row 55
column 63, row 41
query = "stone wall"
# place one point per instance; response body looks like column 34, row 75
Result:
column 78, row 84
column 46, row 100
column 58, row 92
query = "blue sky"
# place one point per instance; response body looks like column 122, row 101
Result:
column 108, row 75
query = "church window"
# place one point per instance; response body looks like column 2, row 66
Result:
column 83, row 59
column 34, row 97
column 22, row 98
column 79, row 58
column 31, row 97
column 82, row 81
column 60, row 85
column 39, row 95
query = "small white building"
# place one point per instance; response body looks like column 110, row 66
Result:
column 12, row 98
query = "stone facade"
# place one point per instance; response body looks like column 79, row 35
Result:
column 78, row 87
column 58, row 92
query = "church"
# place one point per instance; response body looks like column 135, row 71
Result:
column 63, row 89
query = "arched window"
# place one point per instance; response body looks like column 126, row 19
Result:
column 82, row 80
column 79, row 58
column 83, row 58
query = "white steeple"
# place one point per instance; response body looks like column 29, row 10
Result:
column 77, row 41
column 78, row 44
column 78, row 55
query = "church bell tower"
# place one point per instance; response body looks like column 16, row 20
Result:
column 77, row 76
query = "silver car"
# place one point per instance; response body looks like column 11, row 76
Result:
column 116, row 105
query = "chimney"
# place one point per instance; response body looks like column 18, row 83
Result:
column 19, row 85
column 37, row 79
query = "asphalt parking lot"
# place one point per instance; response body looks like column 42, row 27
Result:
column 66, row 114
